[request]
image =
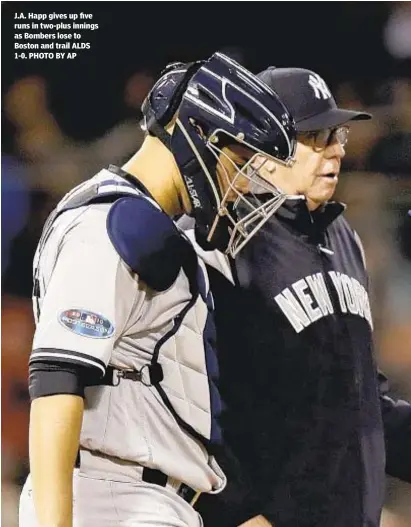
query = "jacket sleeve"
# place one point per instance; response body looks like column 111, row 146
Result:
column 397, row 425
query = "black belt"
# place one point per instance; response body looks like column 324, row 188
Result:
column 151, row 475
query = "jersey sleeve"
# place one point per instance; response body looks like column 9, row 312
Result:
column 86, row 299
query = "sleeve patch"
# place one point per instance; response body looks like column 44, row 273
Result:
column 86, row 323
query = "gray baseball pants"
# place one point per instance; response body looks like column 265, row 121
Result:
column 112, row 494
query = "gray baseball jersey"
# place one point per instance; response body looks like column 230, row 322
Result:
column 94, row 310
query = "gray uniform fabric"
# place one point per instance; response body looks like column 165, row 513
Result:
column 107, row 499
column 129, row 424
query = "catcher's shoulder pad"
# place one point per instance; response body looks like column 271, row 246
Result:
column 147, row 240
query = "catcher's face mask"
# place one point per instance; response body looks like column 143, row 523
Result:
column 248, row 199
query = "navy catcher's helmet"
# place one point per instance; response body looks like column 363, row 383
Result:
column 219, row 103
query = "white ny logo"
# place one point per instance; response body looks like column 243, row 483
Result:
column 319, row 86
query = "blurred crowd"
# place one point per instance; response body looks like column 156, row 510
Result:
column 41, row 162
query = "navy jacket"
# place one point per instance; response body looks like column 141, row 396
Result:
column 300, row 383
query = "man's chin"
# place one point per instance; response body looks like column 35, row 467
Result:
column 314, row 202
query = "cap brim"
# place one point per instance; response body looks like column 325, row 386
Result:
column 330, row 119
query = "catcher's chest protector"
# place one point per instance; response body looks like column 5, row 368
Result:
column 183, row 365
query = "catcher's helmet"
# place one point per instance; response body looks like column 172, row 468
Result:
column 218, row 103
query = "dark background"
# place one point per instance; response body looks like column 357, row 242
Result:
column 339, row 40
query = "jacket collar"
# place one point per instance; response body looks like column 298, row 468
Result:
column 295, row 212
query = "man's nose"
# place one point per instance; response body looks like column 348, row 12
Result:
column 336, row 149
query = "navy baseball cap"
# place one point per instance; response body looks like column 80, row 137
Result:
column 308, row 98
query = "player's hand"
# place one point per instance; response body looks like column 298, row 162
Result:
column 257, row 521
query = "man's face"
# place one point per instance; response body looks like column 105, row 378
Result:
column 318, row 165
column 315, row 172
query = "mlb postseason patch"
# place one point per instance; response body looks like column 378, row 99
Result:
column 86, row 323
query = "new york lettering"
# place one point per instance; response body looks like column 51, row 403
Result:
column 308, row 299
